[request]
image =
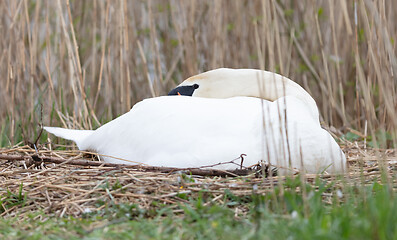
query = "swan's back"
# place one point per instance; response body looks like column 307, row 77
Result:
column 180, row 131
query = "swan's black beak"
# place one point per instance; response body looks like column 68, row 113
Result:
column 184, row 90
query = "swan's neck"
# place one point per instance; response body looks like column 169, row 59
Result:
column 227, row 83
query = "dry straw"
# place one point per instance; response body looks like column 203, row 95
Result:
column 74, row 189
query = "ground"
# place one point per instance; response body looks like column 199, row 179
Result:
column 47, row 200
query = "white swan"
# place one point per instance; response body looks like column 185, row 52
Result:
column 183, row 131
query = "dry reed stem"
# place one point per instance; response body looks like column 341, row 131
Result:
column 74, row 62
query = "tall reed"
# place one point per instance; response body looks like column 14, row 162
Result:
column 86, row 62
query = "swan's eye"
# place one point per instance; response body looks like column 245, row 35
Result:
column 184, row 90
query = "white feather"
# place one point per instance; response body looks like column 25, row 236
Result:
column 227, row 82
column 77, row 136
column 180, row 131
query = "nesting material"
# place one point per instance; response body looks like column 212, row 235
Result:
column 73, row 183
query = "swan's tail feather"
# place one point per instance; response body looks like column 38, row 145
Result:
column 77, row 136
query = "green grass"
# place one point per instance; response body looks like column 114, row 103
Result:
column 322, row 211
column 11, row 199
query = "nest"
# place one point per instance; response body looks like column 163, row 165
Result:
column 70, row 182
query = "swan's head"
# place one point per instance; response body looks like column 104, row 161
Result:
column 226, row 83
column 218, row 83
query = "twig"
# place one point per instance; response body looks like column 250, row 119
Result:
column 193, row 171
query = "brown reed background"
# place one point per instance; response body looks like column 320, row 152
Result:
column 87, row 62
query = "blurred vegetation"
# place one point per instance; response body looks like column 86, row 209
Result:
column 86, row 62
